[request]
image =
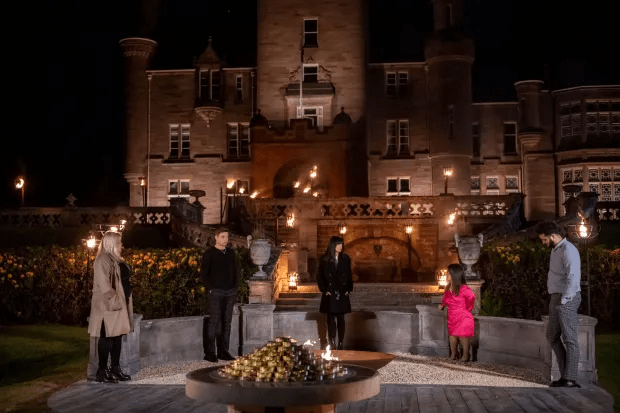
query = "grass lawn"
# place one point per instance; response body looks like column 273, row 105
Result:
column 608, row 363
column 38, row 360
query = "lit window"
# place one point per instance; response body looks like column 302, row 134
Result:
column 311, row 33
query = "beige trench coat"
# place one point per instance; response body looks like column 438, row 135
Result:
column 117, row 322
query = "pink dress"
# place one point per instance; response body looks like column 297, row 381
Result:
column 460, row 319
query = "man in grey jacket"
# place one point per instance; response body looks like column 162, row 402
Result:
column 563, row 284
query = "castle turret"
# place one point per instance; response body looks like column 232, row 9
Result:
column 137, row 53
column 449, row 58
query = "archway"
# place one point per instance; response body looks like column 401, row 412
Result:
column 383, row 259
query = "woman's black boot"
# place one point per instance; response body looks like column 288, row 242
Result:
column 103, row 376
column 116, row 370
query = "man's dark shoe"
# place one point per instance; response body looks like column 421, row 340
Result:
column 116, row 370
column 211, row 357
column 104, row 376
column 571, row 383
column 557, row 383
column 225, row 355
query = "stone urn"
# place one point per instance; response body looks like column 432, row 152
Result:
column 469, row 252
column 260, row 251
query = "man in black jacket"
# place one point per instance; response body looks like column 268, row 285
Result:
column 219, row 275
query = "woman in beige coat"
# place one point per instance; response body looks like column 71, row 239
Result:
column 111, row 309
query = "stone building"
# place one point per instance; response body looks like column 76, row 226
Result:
column 371, row 129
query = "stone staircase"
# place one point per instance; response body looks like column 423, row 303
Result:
column 365, row 297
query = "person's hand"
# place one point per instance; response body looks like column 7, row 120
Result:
column 328, row 293
column 346, row 293
column 440, row 307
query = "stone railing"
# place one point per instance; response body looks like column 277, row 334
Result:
column 83, row 216
column 608, row 210
column 384, row 207
column 202, row 236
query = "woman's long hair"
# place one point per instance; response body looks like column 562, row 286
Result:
column 330, row 253
column 458, row 277
column 110, row 244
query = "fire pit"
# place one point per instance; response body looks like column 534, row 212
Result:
column 283, row 377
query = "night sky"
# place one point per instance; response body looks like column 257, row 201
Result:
column 63, row 127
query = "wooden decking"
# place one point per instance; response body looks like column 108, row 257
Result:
column 393, row 398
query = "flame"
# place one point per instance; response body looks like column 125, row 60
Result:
column 313, row 174
column 297, row 184
column 307, row 189
column 230, row 183
column 315, row 194
column 254, row 194
column 451, row 218
column 242, row 190
column 328, row 354
column 90, row 243
column 309, row 343
column 290, row 221
column 583, row 230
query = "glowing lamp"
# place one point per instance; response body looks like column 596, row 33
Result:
column 447, row 172
column 296, row 185
column 342, row 229
column 409, row 229
column 442, row 279
column 293, row 279
column 19, row 183
column 290, row 221
column 230, row 183
column 242, row 190
column 315, row 194
column 307, row 189
column 451, row 218
column 254, row 194
column 114, row 229
column 91, row 242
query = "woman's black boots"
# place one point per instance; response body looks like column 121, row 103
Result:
column 104, row 376
column 116, row 370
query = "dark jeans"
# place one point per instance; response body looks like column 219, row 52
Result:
column 108, row 346
column 220, row 317
column 335, row 321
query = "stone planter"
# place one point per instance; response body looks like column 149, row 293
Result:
column 469, row 253
column 260, row 251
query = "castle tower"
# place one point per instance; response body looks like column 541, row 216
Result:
column 334, row 59
column 449, row 56
column 137, row 53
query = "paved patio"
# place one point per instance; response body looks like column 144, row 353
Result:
column 393, row 398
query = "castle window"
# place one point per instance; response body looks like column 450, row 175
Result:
column 475, row 137
column 397, row 137
column 512, row 184
column 209, row 85
column 492, row 182
column 396, row 83
column 240, row 188
column 215, row 85
column 475, row 185
column 238, row 140
column 450, row 121
column 398, row 186
column 311, row 73
column 239, row 89
column 510, row 138
column 578, row 175
column 178, row 188
column 179, row 141
column 311, row 33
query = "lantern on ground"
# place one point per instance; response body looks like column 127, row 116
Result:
column 293, row 279
column 442, row 279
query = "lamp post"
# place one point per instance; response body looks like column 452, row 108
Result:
column 20, row 184
column 408, row 231
column 142, row 181
column 585, row 231
column 447, row 172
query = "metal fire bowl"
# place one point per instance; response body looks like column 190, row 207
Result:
column 207, row 385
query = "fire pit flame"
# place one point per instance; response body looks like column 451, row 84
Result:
column 328, row 354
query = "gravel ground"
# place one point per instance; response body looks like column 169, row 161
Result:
column 404, row 369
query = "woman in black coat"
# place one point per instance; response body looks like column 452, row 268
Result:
column 335, row 282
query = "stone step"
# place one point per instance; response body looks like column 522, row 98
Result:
column 376, row 287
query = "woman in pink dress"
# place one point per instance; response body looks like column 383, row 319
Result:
column 459, row 299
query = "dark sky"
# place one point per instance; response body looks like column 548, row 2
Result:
column 63, row 128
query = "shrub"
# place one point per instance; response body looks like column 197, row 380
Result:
column 54, row 284
column 516, row 280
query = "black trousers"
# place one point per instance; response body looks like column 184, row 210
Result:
column 335, row 321
column 109, row 346
column 220, row 317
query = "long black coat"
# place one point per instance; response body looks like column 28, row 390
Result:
column 337, row 281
